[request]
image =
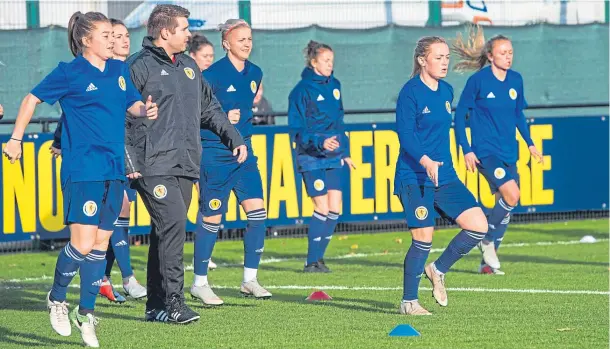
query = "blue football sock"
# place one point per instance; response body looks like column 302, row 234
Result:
column 461, row 244
column 120, row 246
column 91, row 274
column 415, row 261
column 496, row 216
column 205, row 239
column 67, row 265
column 317, row 225
column 500, row 231
column 331, row 224
column 254, row 238
column 110, row 258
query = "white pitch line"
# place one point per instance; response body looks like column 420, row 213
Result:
column 376, row 254
column 374, row 288
column 353, row 255
column 451, row 289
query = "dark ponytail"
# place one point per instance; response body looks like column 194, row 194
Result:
column 80, row 26
column 312, row 51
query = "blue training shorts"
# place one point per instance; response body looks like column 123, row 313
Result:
column 497, row 172
column 131, row 193
column 319, row 182
column 216, row 183
column 93, row 203
column 422, row 204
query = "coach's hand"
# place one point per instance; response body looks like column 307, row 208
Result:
column 55, row 151
column 12, row 150
column 431, row 167
column 331, row 143
column 349, row 163
column 536, row 154
column 151, row 108
column 241, row 152
column 134, row 175
column 234, row 116
column 471, row 161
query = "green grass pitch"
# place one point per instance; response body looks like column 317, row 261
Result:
column 554, row 295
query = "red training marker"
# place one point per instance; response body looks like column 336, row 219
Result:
column 319, row 296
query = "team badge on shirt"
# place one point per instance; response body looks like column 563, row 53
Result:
column 253, row 86
column 189, row 72
column 90, row 208
column 160, row 191
column 512, row 93
column 337, row 93
column 122, row 84
column 499, row 173
column 318, row 184
column 448, row 107
column 215, row 204
column 421, row 213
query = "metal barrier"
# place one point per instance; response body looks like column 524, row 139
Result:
column 47, row 121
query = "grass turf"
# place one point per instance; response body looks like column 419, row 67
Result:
column 359, row 316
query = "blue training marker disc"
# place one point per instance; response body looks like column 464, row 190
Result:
column 404, row 331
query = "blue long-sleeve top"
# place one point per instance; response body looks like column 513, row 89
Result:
column 423, row 121
column 315, row 113
column 495, row 110
column 234, row 90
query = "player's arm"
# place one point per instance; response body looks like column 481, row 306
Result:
column 297, row 106
column 13, row 150
column 523, row 128
column 406, row 125
column 57, row 134
column 521, row 121
column 465, row 105
column 344, row 139
column 56, row 145
column 215, row 119
column 406, row 128
column 138, row 75
column 50, row 90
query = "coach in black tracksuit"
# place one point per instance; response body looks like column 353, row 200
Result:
column 164, row 155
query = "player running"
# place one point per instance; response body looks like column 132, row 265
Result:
column 234, row 81
column 315, row 117
column 94, row 92
column 494, row 100
column 426, row 182
column 119, row 240
column 202, row 51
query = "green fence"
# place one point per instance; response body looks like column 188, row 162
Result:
column 560, row 64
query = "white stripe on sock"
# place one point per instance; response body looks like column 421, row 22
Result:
column 319, row 216
column 71, row 254
column 505, row 205
column 257, row 215
column 210, row 228
column 475, row 235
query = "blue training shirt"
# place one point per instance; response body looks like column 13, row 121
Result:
column 234, row 90
column 494, row 107
column 423, row 121
column 94, row 103
column 315, row 113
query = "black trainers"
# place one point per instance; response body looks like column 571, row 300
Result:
column 180, row 313
column 323, row 266
column 155, row 315
column 313, row 268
